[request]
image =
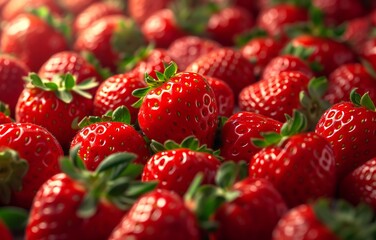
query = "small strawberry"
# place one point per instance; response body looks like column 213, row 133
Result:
column 223, row 96
column 82, row 204
column 5, row 113
column 5, row 233
column 367, row 51
column 177, row 105
column 350, row 127
column 326, row 220
column 100, row 137
column 239, row 130
column 164, row 216
column 301, row 166
column 175, row 165
column 358, row 186
column 40, row 152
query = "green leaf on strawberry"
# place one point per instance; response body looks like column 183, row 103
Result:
column 364, row 100
column 120, row 114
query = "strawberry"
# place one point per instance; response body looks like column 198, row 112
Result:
column 100, row 137
column 5, row 233
column 238, row 131
column 177, row 105
column 29, row 156
column 164, row 216
column 346, row 77
column 140, row 10
column 47, row 102
column 301, row 166
column 78, row 203
column 225, row 64
column 357, row 32
column 5, row 113
column 12, row 71
column 350, row 127
column 358, row 186
column 116, row 91
column 326, row 220
column 186, row 49
column 24, row 41
column 367, row 52
column 76, row 7
column 175, row 165
column 223, row 96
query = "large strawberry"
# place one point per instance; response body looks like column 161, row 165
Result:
column 177, row 105
column 100, row 137
column 175, row 165
column 300, row 165
column 55, row 104
column 40, row 152
column 164, row 216
column 82, row 204
column 350, row 127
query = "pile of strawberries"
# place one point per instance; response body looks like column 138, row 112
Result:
column 184, row 119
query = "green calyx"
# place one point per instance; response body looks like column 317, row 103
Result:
column 63, row 86
column 299, row 3
column 362, row 100
column 129, row 62
column 152, row 83
column 90, row 57
column 4, row 108
column 244, row 38
column 312, row 102
column 111, row 181
column 12, row 171
column 346, row 221
column 15, row 218
column 293, row 126
column 299, row 51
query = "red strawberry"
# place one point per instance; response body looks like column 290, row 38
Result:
column 40, row 151
column 5, row 233
column 357, row 32
column 223, row 96
column 23, row 35
column 140, row 10
column 79, row 204
column 350, row 127
column 101, row 137
column 116, row 91
column 359, row 185
column 175, row 165
column 225, row 64
column 326, row 220
column 367, row 52
column 177, row 105
column 76, row 7
column 55, row 105
column 227, row 23
column 4, row 113
column 164, row 216
column 12, row 71
column 186, row 49
column 301, row 166
column 239, row 129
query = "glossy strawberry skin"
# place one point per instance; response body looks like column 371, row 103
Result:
column 12, row 72
column 358, row 186
column 183, row 106
column 367, row 51
column 269, row 98
column 55, row 206
column 25, row 42
column 163, row 214
column 99, row 140
column 238, row 131
column 223, row 96
column 175, row 169
column 253, row 214
column 301, row 169
column 116, row 91
column 39, row 148
column 140, row 10
column 5, row 118
column 351, row 131
column 226, row 64
column 346, row 77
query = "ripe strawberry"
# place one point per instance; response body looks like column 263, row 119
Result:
column 350, row 127
column 100, row 137
column 24, row 41
column 40, row 152
column 175, row 165
column 12, row 71
column 301, row 166
column 225, row 64
column 347, row 77
column 76, row 7
column 357, row 32
column 82, row 204
column 239, row 129
column 164, row 216
column 367, row 52
column 5, row 233
column 223, row 96
column 116, row 91
column 186, row 49
column 5, row 113
column 140, row 10
column 358, row 186
column 47, row 102
column 326, row 220
column 177, row 105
